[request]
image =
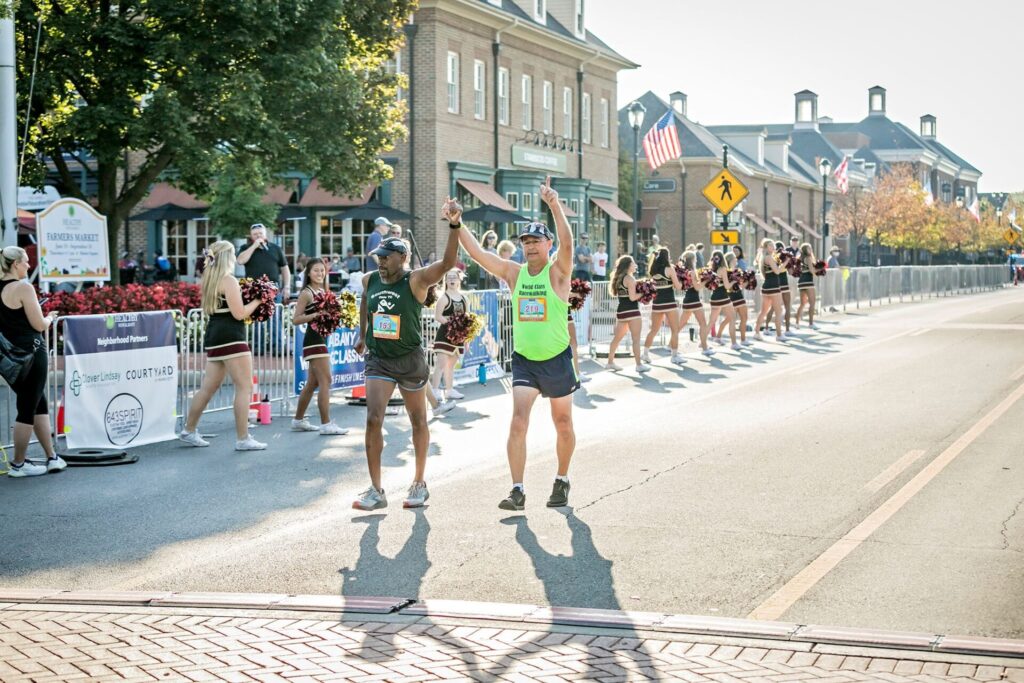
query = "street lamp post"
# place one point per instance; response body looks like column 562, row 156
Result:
column 824, row 168
column 636, row 119
column 959, row 215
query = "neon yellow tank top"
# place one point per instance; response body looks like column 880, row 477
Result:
column 540, row 327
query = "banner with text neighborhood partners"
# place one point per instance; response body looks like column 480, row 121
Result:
column 486, row 346
column 347, row 366
column 120, row 379
column 72, row 243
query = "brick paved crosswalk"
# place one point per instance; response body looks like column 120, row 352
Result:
column 55, row 643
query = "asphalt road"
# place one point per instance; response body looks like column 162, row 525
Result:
column 869, row 474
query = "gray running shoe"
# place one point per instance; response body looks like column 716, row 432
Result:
column 417, row 496
column 370, row 499
column 516, row 500
column 559, row 494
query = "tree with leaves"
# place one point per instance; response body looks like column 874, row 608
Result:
column 204, row 88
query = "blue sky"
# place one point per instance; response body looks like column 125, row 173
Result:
column 741, row 61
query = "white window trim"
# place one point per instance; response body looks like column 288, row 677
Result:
column 567, row 113
column 479, row 90
column 504, row 99
column 513, row 199
column 579, row 20
column 604, row 124
column 548, row 107
column 453, row 83
column 586, row 123
column 540, row 11
column 526, row 100
column 527, row 204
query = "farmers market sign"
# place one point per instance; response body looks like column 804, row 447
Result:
column 72, row 243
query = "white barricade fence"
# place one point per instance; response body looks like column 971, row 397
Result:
column 492, row 348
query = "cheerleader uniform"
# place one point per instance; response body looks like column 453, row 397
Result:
column 691, row 299
column 665, row 299
column 771, row 280
column 441, row 343
column 736, row 295
column 225, row 336
column 627, row 310
column 806, row 280
column 313, row 343
column 720, row 297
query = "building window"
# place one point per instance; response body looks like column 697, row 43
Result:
column 540, row 11
column 183, row 240
column 513, row 199
column 803, row 111
column 567, row 113
column 876, row 102
column 527, row 202
column 453, row 83
column 503, row 96
column 393, row 67
column 579, row 19
column 604, row 123
column 585, row 123
column 574, row 204
column 548, row 106
column 479, row 88
column 527, row 100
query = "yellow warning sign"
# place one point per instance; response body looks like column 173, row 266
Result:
column 724, row 237
column 725, row 191
column 1011, row 235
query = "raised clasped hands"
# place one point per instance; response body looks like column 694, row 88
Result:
column 451, row 211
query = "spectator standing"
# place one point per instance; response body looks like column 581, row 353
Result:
column 601, row 261
column 260, row 256
column 351, row 263
column 833, row 258
column 517, row 255
column 700, row 254
column 22, row 322
column 583, row 268
column 489, row 242
column 380, row 228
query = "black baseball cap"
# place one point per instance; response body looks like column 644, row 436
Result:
column 535, row 230
column 389, row 246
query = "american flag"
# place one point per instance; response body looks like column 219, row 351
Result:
column 928, row 198
column 661, row 144
column 975, row 209
column 842, row 177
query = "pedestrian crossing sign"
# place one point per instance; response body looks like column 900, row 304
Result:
column 1011, row 235
column 725, row 191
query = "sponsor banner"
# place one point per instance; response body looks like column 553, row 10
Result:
column 486, row 347
column 347, row 366
column 72, row 243
column 120, row 379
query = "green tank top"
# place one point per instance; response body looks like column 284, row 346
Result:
column 540, row 327
column 393, row 324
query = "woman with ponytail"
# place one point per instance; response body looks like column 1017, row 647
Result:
column 720, row 301
column 659, row 267
column 627, row 315
column 771, row 299
column 692, row 304
column 806, row 286
column 22, row 322
column 227, row 352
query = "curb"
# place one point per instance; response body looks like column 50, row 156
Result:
column 563, row 616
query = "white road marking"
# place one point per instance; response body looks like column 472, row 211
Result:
column 893, row 471
column 923, row 330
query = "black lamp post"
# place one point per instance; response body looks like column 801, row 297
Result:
column 824, row 168
column 636, row 119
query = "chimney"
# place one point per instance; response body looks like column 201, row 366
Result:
column 876, row 101
column 928, row 127
column 806, row 110
column 678, row 100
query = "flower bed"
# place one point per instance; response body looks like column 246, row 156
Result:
column 180, row 296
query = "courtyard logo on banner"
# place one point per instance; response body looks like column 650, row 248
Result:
column 120, row 379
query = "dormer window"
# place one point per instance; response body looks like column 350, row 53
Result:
column 579, row 25
column 540, row 11
column 805, row 111
column 876, row 102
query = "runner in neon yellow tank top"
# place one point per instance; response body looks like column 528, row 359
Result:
column 542, row 360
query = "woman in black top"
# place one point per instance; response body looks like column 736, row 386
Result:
column 627, row 314
column 659, row 266
column 23, row 323
column 446, row 354
column 720, row 301
column 767, row 263
column 691, row 301
column 806, row 286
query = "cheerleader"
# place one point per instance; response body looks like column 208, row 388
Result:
column 659, row 267
column 784, row 290
column 692, row 304
column 446, row 354
column 739, row 302
column 627, row 315
column 768, row 264
column 227, row 353
column 806, row 286
column 720, row 300
column 314, row 352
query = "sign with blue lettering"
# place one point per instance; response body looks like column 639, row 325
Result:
column 485, row 348
column 120, row 379
column 347, row 366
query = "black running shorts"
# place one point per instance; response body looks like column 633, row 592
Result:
column 553, row 378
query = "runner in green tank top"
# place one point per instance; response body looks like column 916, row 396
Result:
column 542, row 360
column 389, row 333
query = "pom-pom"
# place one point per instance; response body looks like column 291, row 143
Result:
column 262, row 290
column 709, row 279
column 820, row 268
column 327, row 309
column 749, row 279
column 462, row 327
column 736, row 279
column 579, row 291
column 647, row 290
column 685, row 276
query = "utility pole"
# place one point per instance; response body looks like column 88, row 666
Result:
column 8, row 134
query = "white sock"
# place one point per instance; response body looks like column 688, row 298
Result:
column 521, row 488
column 563, row 477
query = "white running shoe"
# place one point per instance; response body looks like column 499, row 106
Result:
column 758, row 337
column 193, row 439
column 736, row 347
column 642, row 368
column 708, row 351
column 612, row 366
column 813, row 326
column 678, row 358
column 747, row 342
column 56, row 464
column 370, row 499
column 303, row 425
column 455, row 393
column 442, row 408
column 331, row 429
column 417, row 495
column 718, row 340
column 645, row 357
column 26, row 469
column 782, row 338
column 249, row 444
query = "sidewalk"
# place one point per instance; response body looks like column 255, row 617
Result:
column 53, row 636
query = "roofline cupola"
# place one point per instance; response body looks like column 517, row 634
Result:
column 928, row 129
column 876, row 101
column 678, row 102
column 806, row 116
